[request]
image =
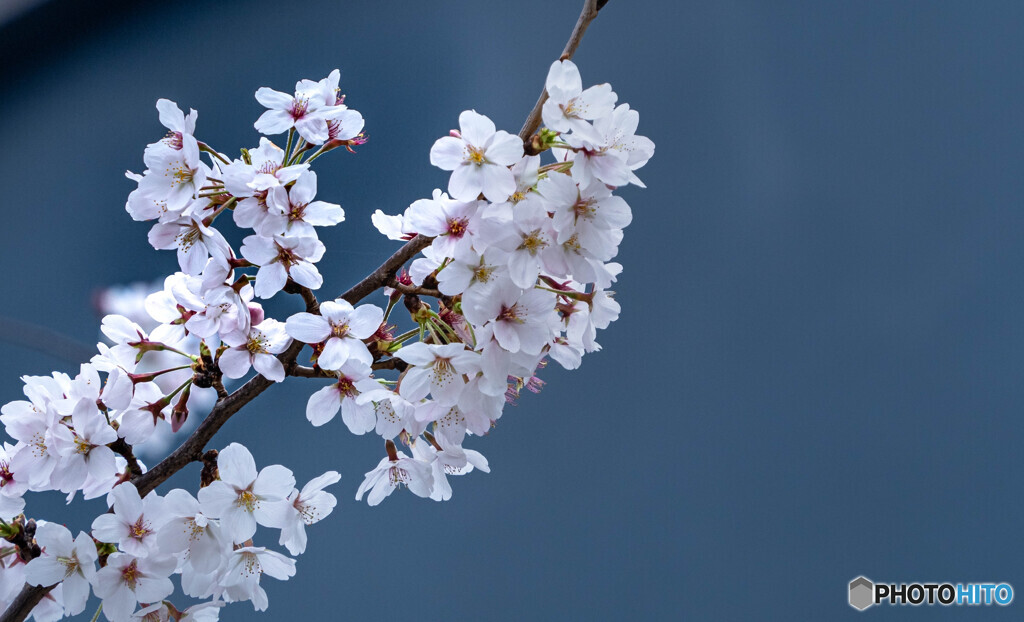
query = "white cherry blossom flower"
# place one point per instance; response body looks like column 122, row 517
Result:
column 341, row 327
column 148, row 406
column 33, row 455
column 592, row 214
column 444, row 462
column 178, row 124
column 568, row 106
column 12, row 485
column 265, row 170
column 452, row 224
column 246, row 566
column 134, row 522
column 127, row 580
column 281, row 258
column 84, row 450
column 306, row 507
column 295, row 213
column 478, row 158
column 189, row 531
column 241, row 498
column 610, row 150
column 299, row 111
column 396, row 470
column 529, row 241
column 194, row 241
column 353, row 379
column 521, row 320
column 259, row 348
column 171, row 181
column 68, row 562
column 437, row 370
column 394, row 413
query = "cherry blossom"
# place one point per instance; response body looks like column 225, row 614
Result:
column 437, row 370
column 306, row 507
column 341, row 328
column 127, row 580
column 568, row 106
column 259, row 348
column 68, row 562
column 281, row 258
column 479, row 158
column 134, row 522
column 353, row 380
column 242, row 497
column 396, row 470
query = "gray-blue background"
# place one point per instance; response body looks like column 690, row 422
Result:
column 817, row 371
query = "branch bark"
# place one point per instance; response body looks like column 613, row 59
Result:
column 192, row 449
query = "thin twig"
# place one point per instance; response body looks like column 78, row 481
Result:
column 414, row 289
column 587, row 15
column 311, row 372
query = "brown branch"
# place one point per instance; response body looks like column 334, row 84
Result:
column 311, row 372
column 391, row 363
column 413, row 289
column 192, row 449
column 387, row 270
column 125, row 450
column 587, row 15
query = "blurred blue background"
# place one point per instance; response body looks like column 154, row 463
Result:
column 817, row 371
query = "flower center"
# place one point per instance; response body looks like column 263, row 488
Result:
column 483, row 273
column 398, row 476
column 257, row 343
column 457, row 227
column 252, row 564
column 181, row 175
column 346, row 388
column 6, row 477
column 286, row 257
column 299, row 107
column 443, row 371
column 308, row 512
column 584, row 208
column 476, row 156
column 70, row 565
column 38, row 444
column 533, row 242
column 573, row 244
column 82, row 446
column 130, row 574
column 187, row 238
column 339, row 330
column 173, row 140
column 140, row 529
column 247, row 500
column 510, row 314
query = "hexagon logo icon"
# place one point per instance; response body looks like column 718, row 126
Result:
column 861, row 593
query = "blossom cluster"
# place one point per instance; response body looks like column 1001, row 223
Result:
column 518, row 260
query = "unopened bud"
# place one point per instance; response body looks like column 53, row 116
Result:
column 180, row 413
column 256, row 314
column 389, row 446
